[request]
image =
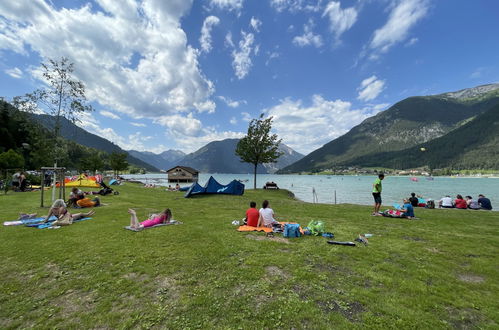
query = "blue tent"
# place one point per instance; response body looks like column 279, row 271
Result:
column 213, row 187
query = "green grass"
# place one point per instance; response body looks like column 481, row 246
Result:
column 439, row 272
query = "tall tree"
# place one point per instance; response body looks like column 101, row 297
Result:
column 118, row 162
column 62, row 97
column 259, row 146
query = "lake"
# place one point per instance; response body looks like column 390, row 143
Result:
column 353, row 189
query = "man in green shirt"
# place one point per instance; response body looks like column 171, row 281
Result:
column 377, row 193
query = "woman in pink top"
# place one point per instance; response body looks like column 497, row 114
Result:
column 155, row 219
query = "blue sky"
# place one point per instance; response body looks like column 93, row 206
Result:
column 178, row 74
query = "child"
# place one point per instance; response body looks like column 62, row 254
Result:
column 252, row 215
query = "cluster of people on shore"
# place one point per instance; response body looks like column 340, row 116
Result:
column 482, row 203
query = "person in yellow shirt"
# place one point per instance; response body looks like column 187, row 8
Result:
column 377, row 187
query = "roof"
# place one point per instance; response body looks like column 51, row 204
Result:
column 185, row 168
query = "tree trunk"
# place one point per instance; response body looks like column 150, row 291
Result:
column 254, row 177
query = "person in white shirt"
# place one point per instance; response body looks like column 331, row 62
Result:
column 266, row 217
column 446, row 202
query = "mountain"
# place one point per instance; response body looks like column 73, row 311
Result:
column 74, row 133
column 408, row 123
column 472, row 145
column 163, row 161
column 220, row 157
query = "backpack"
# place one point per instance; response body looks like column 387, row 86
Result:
column 316, row 227
column 291, row 230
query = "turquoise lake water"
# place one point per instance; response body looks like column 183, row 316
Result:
column 355, row 189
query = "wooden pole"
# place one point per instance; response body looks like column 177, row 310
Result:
column 335, row 197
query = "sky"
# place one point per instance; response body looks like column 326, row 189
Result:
column 178, row 74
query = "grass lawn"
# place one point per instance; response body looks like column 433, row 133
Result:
column 438, row 272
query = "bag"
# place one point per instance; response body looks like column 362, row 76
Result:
column 291, row 230
column 430, row 204
column 316, row 227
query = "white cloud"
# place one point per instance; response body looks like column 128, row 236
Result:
column 205, row 38
column 295, row 5
column 246, row 116
column 255, row 24
column 230, row 5
column 109, row 114
column 190, row 144
column 272, row 55
column 401, row 19
column 241, row 58
column 411, row 42
column 306, row 128
column 478, row 73
column 138, row 124
column 179, row 125
column 233, row 120
column 132, row 56
column 231, row 103
column 308, row 37
column 370, row 88
column 340, row 20
column 14, row 73
column 228, row 40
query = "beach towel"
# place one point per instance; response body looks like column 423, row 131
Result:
column 27, row 221
column 172, row 222
column 264, row 229
column 49, row 224
column 251, row 228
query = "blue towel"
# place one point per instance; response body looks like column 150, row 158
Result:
column 27, row 221
column 46, row 225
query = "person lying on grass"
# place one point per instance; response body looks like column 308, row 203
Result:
column 266, row 218
column 155, row 219
column 64, row 218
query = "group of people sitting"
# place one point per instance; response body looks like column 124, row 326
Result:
column 263, row 217
column 482, row 203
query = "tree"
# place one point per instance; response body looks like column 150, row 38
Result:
column 11, row 159
column 93, row 163
column 118, row 162
column 63, row 96
column 259, row 146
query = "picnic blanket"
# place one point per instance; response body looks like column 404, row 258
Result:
column 27, row 221
column 49, row 224
column 172, row 222
column 265, row 229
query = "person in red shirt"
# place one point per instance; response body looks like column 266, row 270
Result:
column 252, row 215
column 460, row 203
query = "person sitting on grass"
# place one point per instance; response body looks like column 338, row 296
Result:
column 155, row 219
column 414, row 200
column 446, row 202
column 484, row 202
column 460, row 203
column 252, row 215
column 472, row 204
column 266, row 217
column 64, row 218
column 75, row 195
column 408, row 209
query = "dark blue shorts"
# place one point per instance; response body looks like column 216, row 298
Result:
column 377, row 197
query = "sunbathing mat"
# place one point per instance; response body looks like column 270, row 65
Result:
column 265, row 229
column 49, row 224
column 172, row 222
column 27, row 221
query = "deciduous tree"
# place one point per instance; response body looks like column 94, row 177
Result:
column 259, row 146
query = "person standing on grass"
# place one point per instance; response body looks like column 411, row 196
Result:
column 377, row 193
